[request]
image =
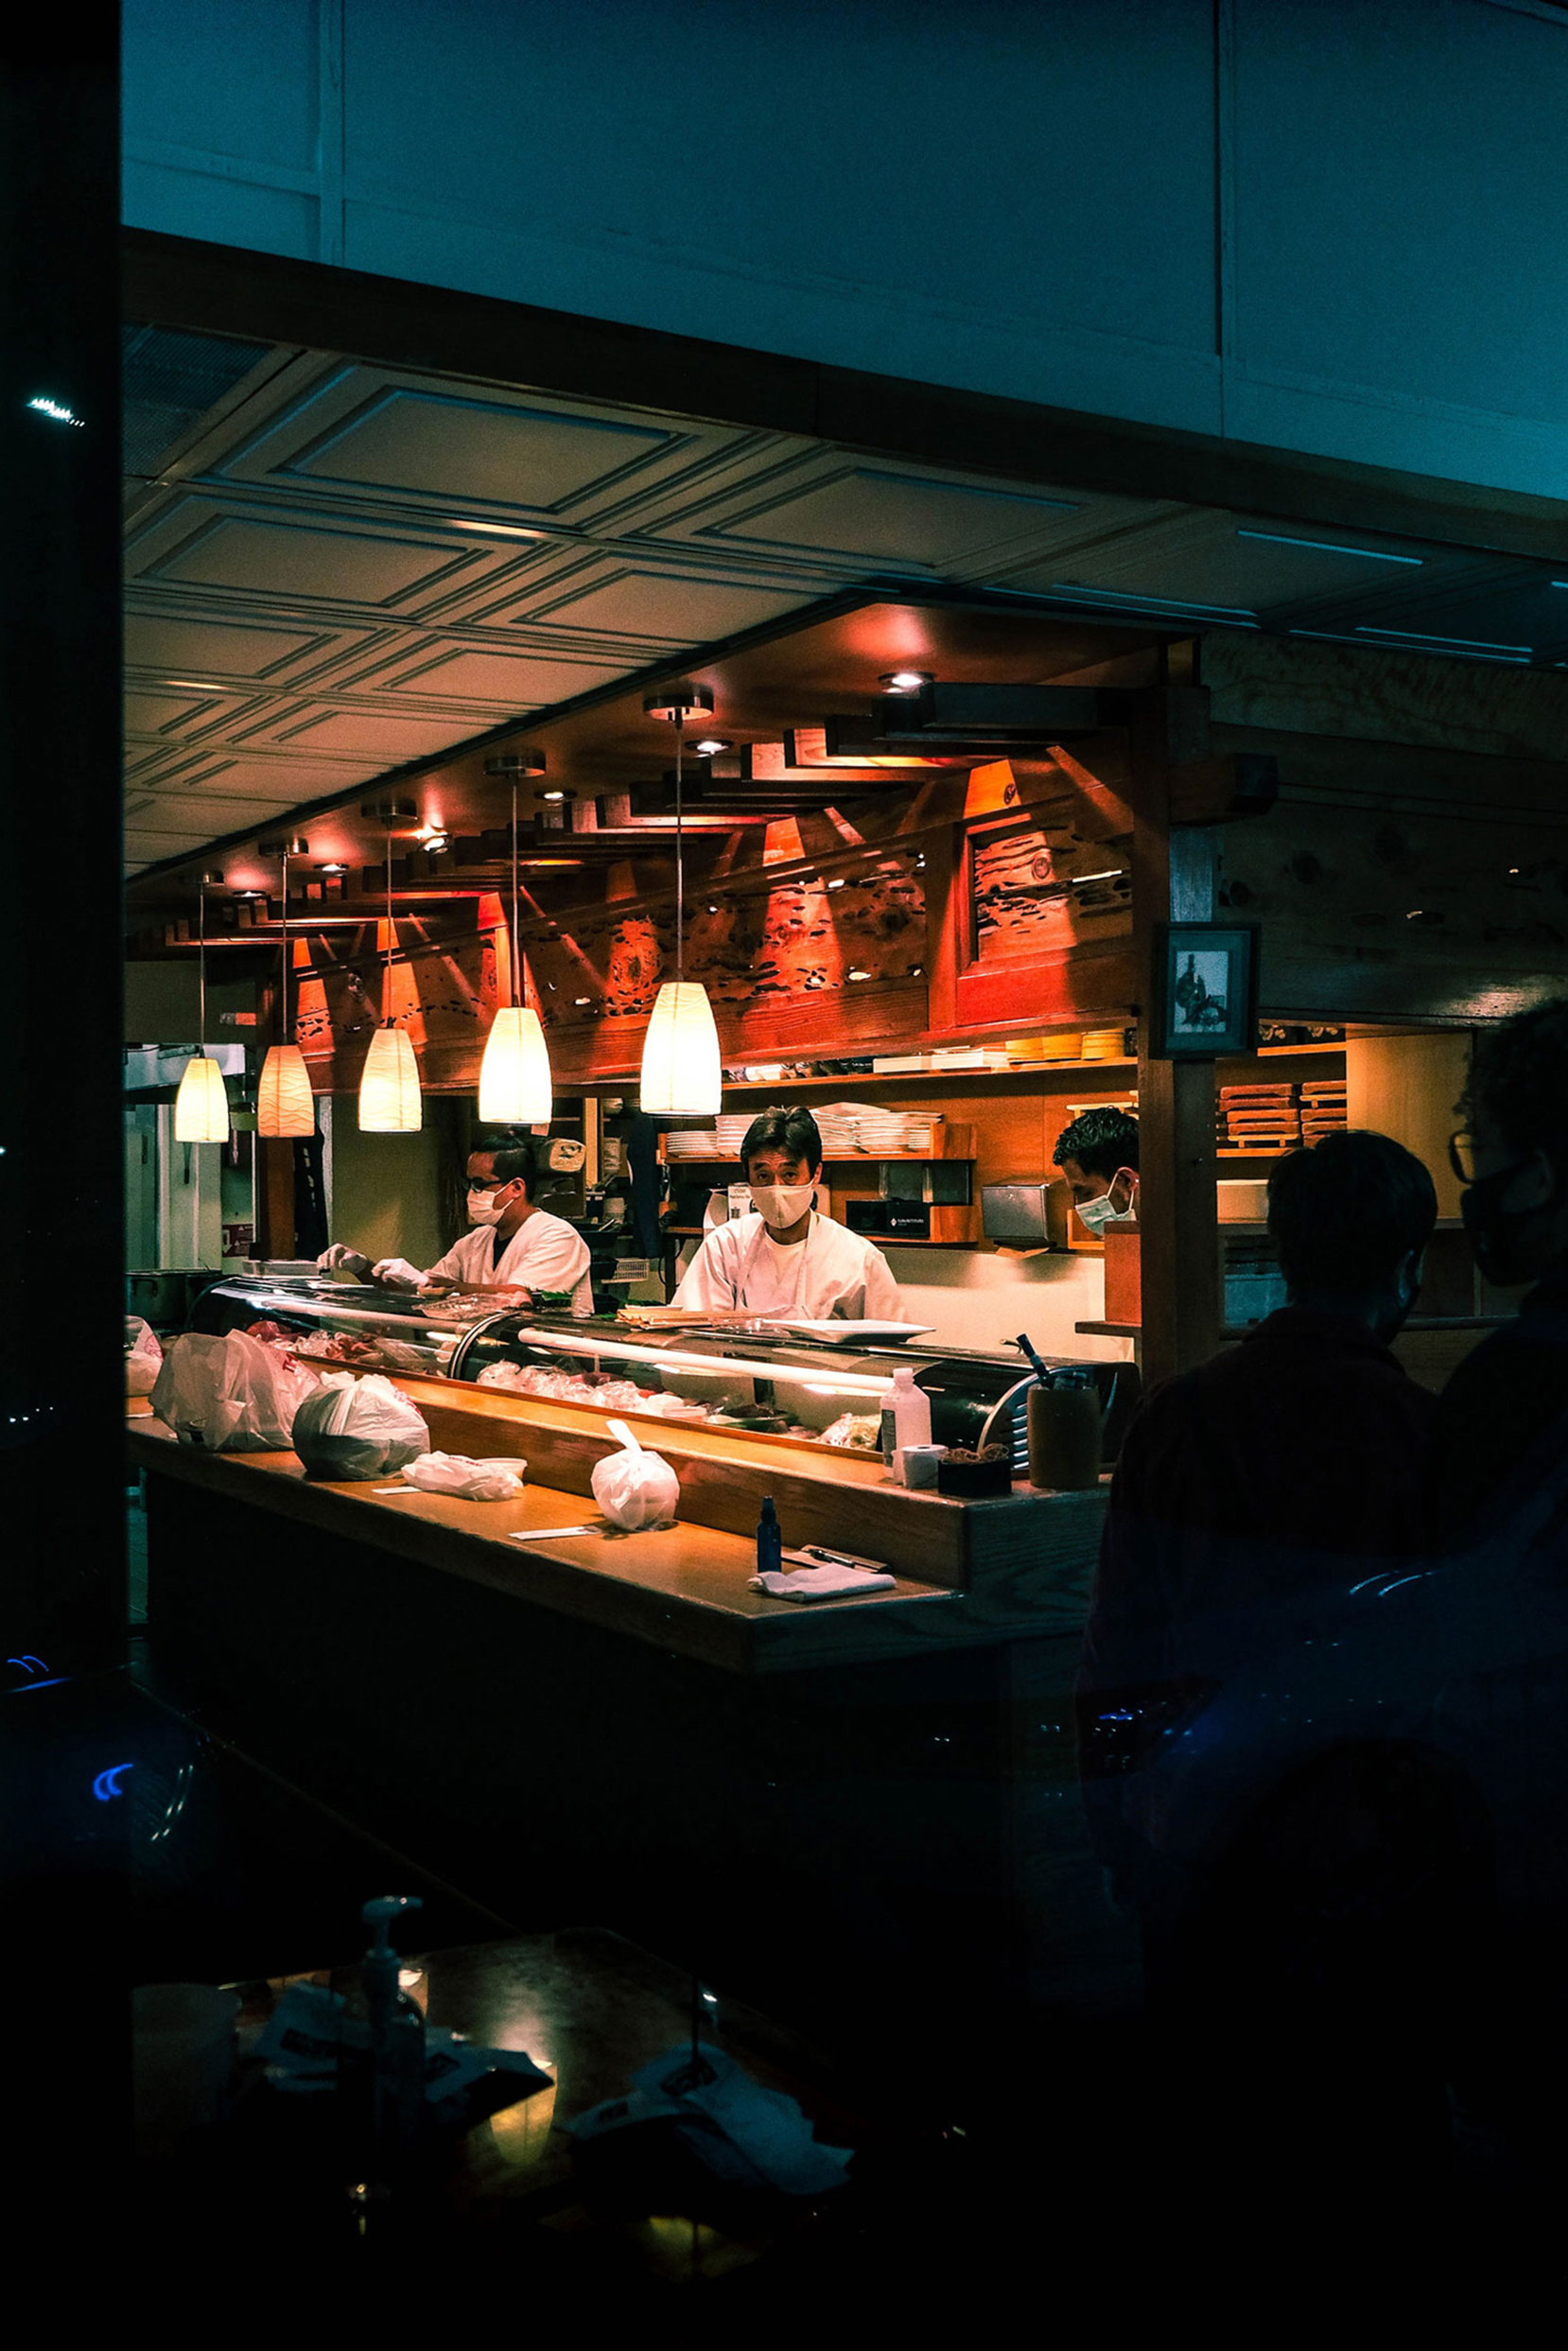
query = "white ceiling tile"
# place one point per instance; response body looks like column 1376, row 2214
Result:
column 211, row 648
column 160, row 714
column 506, row 679
column 334, row 565
column 391, row 739
column 662, row 606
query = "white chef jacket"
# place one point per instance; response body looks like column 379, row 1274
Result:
column 832, row 1273
column 545, row 1253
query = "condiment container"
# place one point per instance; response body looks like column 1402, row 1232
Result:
column 1064, row 1432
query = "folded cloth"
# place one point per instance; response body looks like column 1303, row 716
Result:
column 819, row 1583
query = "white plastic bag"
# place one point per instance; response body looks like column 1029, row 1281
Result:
column 498, row 1480
column 351, row 1427
column 233, row 1394
column 144, row 1357
column 634, row 1488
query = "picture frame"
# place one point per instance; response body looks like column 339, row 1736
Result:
column 1206, row 990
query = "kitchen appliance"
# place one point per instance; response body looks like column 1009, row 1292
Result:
column 1015, row 1213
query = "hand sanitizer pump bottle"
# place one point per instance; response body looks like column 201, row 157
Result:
column 396, row 2038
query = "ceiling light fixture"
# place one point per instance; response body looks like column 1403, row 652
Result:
column 681, row 1072
column 201, row 1107
column 334, row 868
column 709, row 748
column 516, row 1086
column 285, row 1104
column 389, row 1099
column 906, row 681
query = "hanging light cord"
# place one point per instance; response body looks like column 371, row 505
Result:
column 516, row 949
column 386, row 998
column 201, row 962
column 680, row 859
column 285, row 947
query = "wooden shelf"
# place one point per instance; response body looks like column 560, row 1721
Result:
column 839, row 1159
column 1077, row 1070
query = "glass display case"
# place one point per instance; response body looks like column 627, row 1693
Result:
column 755, row 1383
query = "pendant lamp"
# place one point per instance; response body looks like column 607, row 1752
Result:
column 389, row 1099
column 681, row 1076
column 516, row 1085
column 201, row 1107
column 285, row 1104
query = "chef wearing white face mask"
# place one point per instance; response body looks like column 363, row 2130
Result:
column 786, row 1258
column 1098, row 1157
column 512, row 1242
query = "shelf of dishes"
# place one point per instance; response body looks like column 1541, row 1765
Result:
column 849, row 1130
column 755, row 1381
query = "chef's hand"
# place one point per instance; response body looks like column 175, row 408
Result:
column 339, row 1254
column 398, row 1274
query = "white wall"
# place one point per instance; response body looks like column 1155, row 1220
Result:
column 974, row 1298
column 1321, row 224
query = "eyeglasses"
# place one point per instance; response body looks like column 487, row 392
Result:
column 1461, row 1156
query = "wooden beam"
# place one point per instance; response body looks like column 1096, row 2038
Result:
column 1174, row 882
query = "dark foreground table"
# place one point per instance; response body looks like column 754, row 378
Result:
column 592, row 2009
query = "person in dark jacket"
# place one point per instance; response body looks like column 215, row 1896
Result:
column 1508, row 1400
column 1264, row 1469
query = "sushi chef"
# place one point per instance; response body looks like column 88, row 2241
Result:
column 784, row 1258
column 513, row 1243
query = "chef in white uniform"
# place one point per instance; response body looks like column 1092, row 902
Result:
column 786, row 1258
column 512, row 1242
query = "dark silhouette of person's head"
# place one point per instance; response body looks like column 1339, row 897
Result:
column 1349, row 1219
column 1515, row 1111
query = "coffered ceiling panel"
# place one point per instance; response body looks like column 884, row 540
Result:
column 418, row 441
column 520, row 685
column 391, row 738
column 659, row 607
column 338, row 566
column 337, row 572
column 212, row 648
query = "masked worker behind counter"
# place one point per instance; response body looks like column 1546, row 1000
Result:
column 785, row 1259
column 1098, row 1155
column 513, row 1243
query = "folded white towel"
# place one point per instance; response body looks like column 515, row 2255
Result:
column 819, row 1583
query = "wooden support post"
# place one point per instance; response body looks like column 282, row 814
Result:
column 274, row 1196
column 1174, row 882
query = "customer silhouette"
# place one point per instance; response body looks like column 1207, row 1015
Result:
column 1257, row 1473
column 1504, row 1415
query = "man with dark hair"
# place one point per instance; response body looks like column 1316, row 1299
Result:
column 1501, row 1402
column 786, row 1258
column 1262, row 1471
column 1098, row 1155
column 514, row 1244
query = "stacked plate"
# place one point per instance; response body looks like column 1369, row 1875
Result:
column 839, row 1128
column 1104, row 1044
column 691, row 1143
column 731, row 1128
column 883, row 1130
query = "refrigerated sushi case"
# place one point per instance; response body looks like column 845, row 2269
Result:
column 750, row 1382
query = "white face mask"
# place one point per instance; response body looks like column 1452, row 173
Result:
column 482, row 1209
column 781, row 1205
column 1098, row 1213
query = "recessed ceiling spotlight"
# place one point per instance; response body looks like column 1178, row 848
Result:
column 837, row 882
column 557, row 795
column 906, row 681
column 859, row 975
column 582, row 1000
column 708, row 746
column 334, row 868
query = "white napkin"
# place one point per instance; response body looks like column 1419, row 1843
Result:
column 819, row 1583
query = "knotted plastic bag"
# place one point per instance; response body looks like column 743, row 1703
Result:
column 144, row 1357
column 357, row 1428
column 634, row 1488
column 493, row 1480
column 231, row 1394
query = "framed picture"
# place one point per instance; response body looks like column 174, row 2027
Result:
column 1206, row 990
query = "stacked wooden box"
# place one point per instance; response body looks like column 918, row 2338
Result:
column 1258, row 1117
column 1323, row 1109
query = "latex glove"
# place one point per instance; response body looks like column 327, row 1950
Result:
column 398, row 1274
column 339, row 1254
